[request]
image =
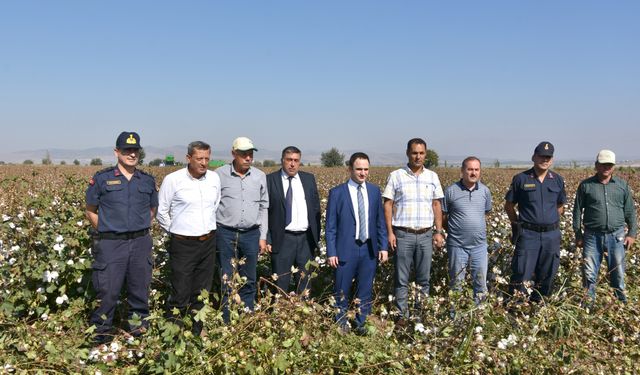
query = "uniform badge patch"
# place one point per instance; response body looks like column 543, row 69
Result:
column 114, row 182
column 529, row 186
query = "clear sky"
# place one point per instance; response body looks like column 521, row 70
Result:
column 490, row 78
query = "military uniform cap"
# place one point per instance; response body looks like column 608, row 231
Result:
column 544, row 149
column 128, row 140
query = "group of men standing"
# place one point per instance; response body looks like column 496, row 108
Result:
column 236, row 213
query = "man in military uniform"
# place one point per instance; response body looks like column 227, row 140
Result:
column 121, row 202
column 539, row 195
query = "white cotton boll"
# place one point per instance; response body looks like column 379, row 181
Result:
column 62, row 299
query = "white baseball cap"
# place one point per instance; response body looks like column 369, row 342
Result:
column 243, row 144
column 606, row 157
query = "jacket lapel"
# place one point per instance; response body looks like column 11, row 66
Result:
column 347, row 194
column 280, row 188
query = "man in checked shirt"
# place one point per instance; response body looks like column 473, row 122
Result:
column 411, row 209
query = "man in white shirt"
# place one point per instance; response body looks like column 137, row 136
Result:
column 188, row 200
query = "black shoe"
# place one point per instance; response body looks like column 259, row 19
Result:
column 361, row 331
column 102, row 338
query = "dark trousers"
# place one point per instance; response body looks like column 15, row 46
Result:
column 116, row 262
column 192, row 265
column 295, row 251
column 362, row 267
column 238, row 252
column 536, row 259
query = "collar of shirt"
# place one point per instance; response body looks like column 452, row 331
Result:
column 234, row 173
column 355, row 185
column 285, row 176
column 409, row 171
column 464, row 187
column 532, row 173
column 203, row 177
column 613, row 179
column 117, row 173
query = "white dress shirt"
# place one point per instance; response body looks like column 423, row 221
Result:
column 353, row 192
column 299, row 217
column 187, row 205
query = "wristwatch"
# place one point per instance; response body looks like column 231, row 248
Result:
column 439, row 231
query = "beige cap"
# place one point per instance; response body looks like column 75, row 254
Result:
column 606, row 157
column 243, row 144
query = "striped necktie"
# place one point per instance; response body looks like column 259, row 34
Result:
column 362, row 236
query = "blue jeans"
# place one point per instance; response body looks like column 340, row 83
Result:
column 477, row 260
column 232, row 246
column 595, row 245
column 416, row 250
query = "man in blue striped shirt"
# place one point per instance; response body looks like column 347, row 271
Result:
column 464, row 206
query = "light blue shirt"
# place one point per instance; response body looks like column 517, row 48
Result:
column 466, row 211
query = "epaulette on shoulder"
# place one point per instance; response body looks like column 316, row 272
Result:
column 146, row 173
column 105, row 170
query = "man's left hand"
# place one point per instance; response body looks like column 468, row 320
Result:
column 628, row 242
column 383, row 256
column 262, row 245
column 438, row 240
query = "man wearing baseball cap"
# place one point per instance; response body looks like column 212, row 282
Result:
column 242, row 222
column 539, row 195
column 603, row 207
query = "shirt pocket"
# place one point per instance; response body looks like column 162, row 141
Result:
column 114, row 190
column 530, row 193
column 615, row 197
column 428, row 190
column 144, row 194
column 554, row 190
column 251, row 193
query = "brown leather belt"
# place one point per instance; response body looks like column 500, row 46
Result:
column 204, row 237
column 413, row 231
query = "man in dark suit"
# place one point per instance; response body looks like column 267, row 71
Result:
column 356, row 238
column 294, row 221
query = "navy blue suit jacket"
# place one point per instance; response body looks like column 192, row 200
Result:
column 340, row 228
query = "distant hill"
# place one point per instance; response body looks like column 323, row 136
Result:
column 224, row 153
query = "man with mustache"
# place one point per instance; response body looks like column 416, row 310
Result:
column 188, row 201
column 465, row 205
